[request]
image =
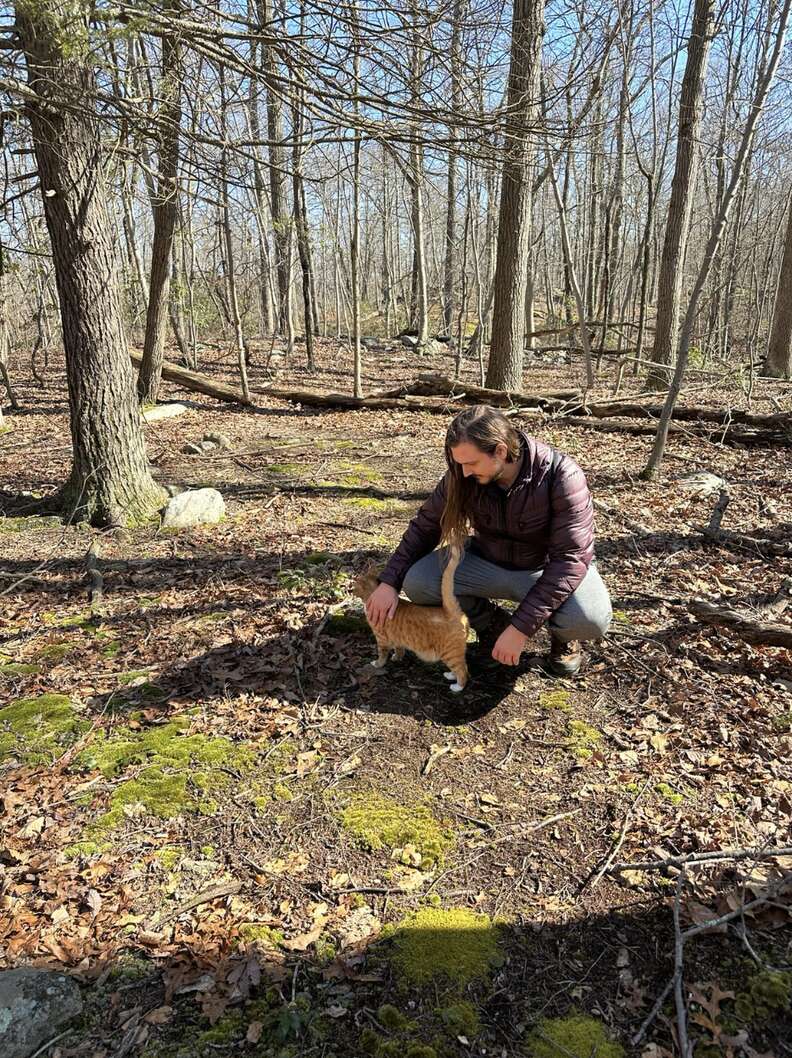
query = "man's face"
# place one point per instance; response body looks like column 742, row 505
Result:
column 480, row 465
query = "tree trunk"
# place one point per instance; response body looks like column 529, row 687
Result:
column 778, row 363
column 449, row 270
column 682, row 190
column 110, row 482
column 764, row 80
column 165, row 207
column 281, row 218
column 511, row 268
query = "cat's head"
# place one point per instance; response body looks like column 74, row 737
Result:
column 365, row 583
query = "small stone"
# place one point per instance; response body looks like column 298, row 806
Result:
column 34, row 1004
column 192, row 449
column 702, row 484
column 220, row 440
column 161, row 411
column 207, row 446
column 196, row 507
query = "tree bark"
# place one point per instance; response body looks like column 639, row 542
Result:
column 165, row 208
column 778, row 363
column 514, row 222
column 110, row 482
column 281, row 219
column 682, row 191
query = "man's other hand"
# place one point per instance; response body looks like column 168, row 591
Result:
column 509, row 646
column 381, row 605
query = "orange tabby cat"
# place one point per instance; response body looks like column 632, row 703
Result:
column 434, row 633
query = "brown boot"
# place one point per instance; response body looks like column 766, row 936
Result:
column 564, row 659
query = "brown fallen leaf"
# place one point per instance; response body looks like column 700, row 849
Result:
column 159, row 1016
column 255, row 1029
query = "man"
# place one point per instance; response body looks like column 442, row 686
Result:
column 530, row 511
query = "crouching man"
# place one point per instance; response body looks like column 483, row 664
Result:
column 530, row 512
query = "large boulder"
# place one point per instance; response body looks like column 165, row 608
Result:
column 194, row 507
column 34, row 1004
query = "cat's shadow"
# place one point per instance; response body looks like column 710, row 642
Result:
column 411, row 687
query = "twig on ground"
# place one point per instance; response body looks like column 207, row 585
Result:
column 695, row 858
column 679, row 968
column 619, row 841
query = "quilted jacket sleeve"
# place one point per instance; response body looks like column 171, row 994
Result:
column 421, row 536
column 570, row 548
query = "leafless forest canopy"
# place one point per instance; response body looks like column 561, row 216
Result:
column 337, row 169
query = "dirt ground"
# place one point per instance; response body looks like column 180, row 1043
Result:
column 286, row 867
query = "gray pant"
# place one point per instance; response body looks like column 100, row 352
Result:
column 586, row 614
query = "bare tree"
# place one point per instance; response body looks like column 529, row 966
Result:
column 110, row 482
column 778, row 363
column 165, row 207
column 682, row 187
column 514, row 223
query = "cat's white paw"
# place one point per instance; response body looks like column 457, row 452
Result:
column 449, row 675
column 456, row 688
column 379, row 664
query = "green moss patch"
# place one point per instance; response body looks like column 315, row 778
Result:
column 460, row 1019
column 669, row 793
column 37, row 730
column 11, row 669
column 378, row 822
column 459, row 946
column 180, row 772
column 54, row 652
column 31, row 524
column 767, row 995
column 346, row 623
column 551, row 700
column 356, row 473
column 576, row 1036
column 583, row 739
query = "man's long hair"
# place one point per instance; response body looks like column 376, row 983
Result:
column 485, row 428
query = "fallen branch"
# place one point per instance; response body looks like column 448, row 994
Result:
column 703, row 858
column 94, row 578
column 196, row 383
column 761, row 633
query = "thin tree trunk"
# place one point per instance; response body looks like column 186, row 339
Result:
column 682, row 190
column 764, row 80
column 778, row 362
column 511, row 269
column 165, row 208
column 228, row 243
column 281, row 219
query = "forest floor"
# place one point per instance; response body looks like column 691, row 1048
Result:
column 242, row 844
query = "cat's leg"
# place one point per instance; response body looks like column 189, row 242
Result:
column 458, row 672
column 398, row 653
column 383, row 650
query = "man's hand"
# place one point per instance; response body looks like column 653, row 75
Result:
column 381, row 605
column 509, row 646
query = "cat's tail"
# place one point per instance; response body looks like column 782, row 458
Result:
column 450, row 604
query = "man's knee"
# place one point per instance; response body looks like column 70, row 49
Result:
column 422, row 582
column 589, row 621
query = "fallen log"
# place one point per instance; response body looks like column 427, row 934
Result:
column 571, row 403
column 760, row 633
column 196, row 383
column 440, row 386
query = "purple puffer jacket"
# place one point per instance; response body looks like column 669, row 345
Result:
column 525, row 527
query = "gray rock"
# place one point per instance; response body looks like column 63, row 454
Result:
column 162, row 411
column 34, row 1004
column 195, row 507
column 702, row 483
column 220, row 440
column 207, row 446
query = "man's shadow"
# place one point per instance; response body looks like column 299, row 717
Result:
column 324, row 661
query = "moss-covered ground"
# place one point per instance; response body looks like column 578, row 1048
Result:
column 244, row 844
